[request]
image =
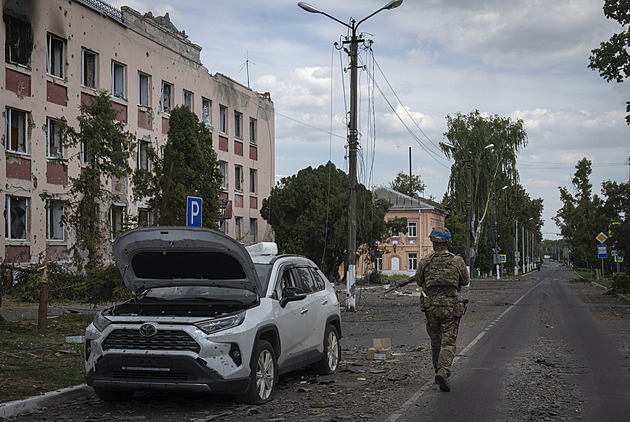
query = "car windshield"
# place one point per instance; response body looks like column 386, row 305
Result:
column 263, row 271
column 200, row 293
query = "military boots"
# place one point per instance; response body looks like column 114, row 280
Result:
column 442, row 380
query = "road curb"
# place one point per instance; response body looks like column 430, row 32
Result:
column 17, row 407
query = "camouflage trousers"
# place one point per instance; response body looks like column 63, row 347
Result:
column 442, row 327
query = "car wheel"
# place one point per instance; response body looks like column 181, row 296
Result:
column 264, row 373
column 113, row 395
column 332, row 351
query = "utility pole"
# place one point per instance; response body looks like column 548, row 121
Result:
column 496, row 237
column 516, row 254
column 353, row 142
column 468, row 212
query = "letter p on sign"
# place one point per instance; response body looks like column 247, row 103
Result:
column 193, row 211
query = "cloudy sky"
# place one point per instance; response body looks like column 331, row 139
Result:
column 431, row 59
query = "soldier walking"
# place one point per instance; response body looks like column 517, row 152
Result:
column 441, row 275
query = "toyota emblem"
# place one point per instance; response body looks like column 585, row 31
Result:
column 148, row 330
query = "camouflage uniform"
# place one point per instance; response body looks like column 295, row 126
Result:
column 442, row 274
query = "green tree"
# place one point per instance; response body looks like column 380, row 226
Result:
column 409, row 185
column 581, row 217
column 617, row 210
column 309, row 214
column 487, row 146
column 612, row 58
column 189, row 168
column 106, row 148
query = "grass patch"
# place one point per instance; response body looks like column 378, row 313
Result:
column 33, row 362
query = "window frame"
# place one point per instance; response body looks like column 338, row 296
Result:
column 223, row 124
column 253, row 181
column 253, row 230
column 206, row 112
column 412, row 261
column 8, row 232
column 238, row 228
column 52, row 126
column 411, row 224
column 84, row 68
column 21, row 36
column 115, row 226
column 166, row 108
column 142, row 158
column 238, row 178
column 144, row 77
column 50, row 221
column 8, row 139
column 238, row 125
column 123, row 71
column 188, row 95
column 223, row 168
column 253, row 130
column 51, row 57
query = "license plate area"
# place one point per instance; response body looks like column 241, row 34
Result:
column 147, row 364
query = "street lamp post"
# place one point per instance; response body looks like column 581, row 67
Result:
column 353, row 143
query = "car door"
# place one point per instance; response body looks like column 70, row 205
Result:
column 291, row 319
column 313, row 307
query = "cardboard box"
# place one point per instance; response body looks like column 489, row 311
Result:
column 381, row 349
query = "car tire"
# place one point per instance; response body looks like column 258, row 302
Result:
column 113, row 395
column 332, row 352
column 263, row 373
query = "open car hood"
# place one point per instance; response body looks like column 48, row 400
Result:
column 174, row 256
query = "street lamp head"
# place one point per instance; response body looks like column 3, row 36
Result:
column 393, row 4
column 489, row 146
column 308, row 7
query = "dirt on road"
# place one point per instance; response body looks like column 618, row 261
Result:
column 363, row 389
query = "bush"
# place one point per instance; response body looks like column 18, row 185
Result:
column 620, row 284
column 104, row 284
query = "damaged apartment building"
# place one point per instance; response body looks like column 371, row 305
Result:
column 58, row 55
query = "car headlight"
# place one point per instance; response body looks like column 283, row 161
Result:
column 218, row 324
column 100, row 322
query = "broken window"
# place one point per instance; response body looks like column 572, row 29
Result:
column 188, row 100
column 253, row 180
column 253, row 230
column 118, row 79
column 56, row 56
column 54, row 220
column 18, row 41
column 238, row 228
column 53, row 134
column 117, row 220
column 17, row 131
column 206, row 107
column 222, row 119
column 253, row 128
column 238, row 125
column 143, row 155
column 85, row 155
column 223, row 167
column 238, row 178
column 167, row 97
column 144, row 88
column 16, row 218
column 89, row 62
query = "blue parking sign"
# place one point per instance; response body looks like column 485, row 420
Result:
column 193, row 211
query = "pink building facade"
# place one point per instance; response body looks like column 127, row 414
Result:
column 401, row 252
column 58, row 55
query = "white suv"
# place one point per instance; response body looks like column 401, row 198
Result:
column 209, row 315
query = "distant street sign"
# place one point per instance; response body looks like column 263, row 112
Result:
column 601, row 238
column 618, row 258
column 193, row 211
column 601, row 251
column 502, row 258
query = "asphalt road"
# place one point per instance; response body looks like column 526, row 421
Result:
column 538, row 348
column 546, row 357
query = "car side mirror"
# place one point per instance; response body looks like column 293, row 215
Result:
column 291, row 294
